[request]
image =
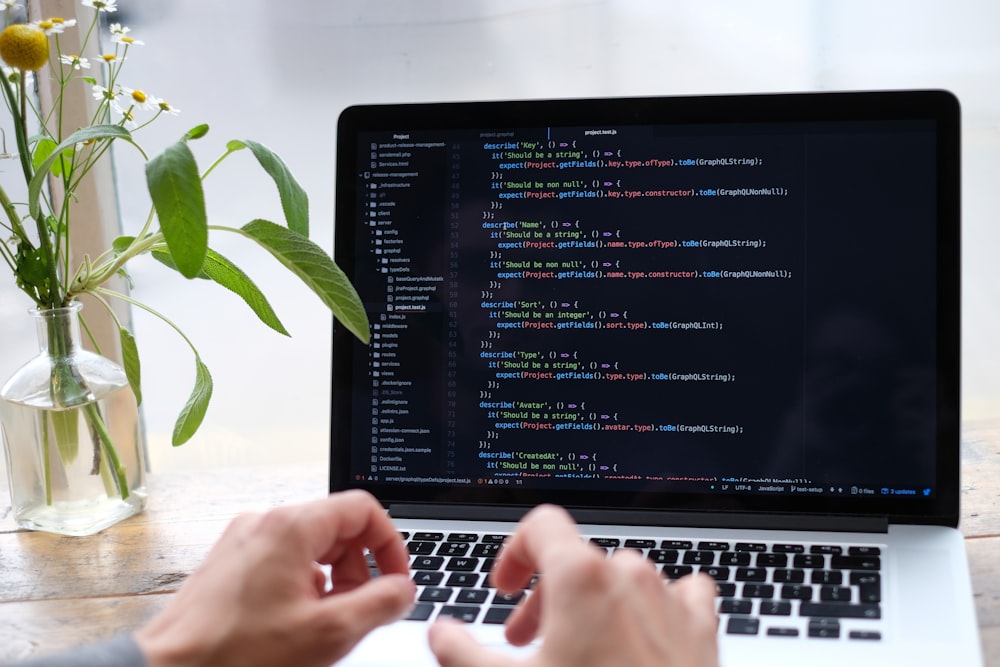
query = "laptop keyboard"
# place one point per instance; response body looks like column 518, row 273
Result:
column 827, row 591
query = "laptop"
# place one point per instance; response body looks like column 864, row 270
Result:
column 722, row 330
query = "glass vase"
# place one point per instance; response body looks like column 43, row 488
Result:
column 71, row 433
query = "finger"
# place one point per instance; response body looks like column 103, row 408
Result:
column 350, row 569
column 541, row 537
column 453, row 646
column 525, row 621
column 351, row 520
column 350, row 616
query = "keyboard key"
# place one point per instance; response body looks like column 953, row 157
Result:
column 811, row 561
column 453, row 549
column 827, row 577
column 485, row 550
column 676, row 544
column 606, row 542
column 420, row 548
column 461, row 612
column 463, row 537
column 751, row 574
column 789, row 576
column 463, row 579
column 509, row 599
column 713, row 546
column 472, row 596
column 782, row 632
column 735, row 607
column 676, row 571
column 462, row 564
column 420, row 612
column 663, row 555
column 751, row 546
column 824, row 628
column 435, row 594
column 428, row 537
column 716, row 572
column 828, row 549
column 870, row 563
column 741, row 625
column 427, row 563
column 640, row 544
column 835, row 594
column 735, row 558
column 869, row 593
column 775, row 608
column 494, row 539
column 427, row 578
column 840, row 610
column 772, row 560
column 788, row 549
column 699, row 558
column 796, row 592
column 864, row 551
column 497, row 615
column 758, row 591
column 726, row 590
column 865, row 634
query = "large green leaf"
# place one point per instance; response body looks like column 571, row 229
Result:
column 130, row 359
column 194, row 410
column 294, row 201
column 316, row 269
column 92, row 133
column 175, row 188
column 227, row 274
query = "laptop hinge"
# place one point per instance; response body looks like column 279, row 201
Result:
column 743, row 520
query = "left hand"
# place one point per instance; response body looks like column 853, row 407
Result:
column 259, row 598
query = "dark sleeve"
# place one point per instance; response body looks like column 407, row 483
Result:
column 120, row 651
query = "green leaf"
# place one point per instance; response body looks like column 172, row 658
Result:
column 175, row 188
column 196, row 132
column 130, row 358
column 316, row 269
column 294, row 201
column 43, row 149
column 227, row 274
column 121, row 244
column 194, row 410
column 163, row 257
column 92, row 133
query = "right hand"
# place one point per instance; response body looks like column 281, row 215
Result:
column 590, row 610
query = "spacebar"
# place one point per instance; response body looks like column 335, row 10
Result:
column 840, row 610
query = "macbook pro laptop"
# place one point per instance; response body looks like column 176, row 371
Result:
column 722, row 330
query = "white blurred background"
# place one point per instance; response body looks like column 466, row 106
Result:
column 280, row 72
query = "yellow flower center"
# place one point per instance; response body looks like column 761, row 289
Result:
column 139, row 96
column 56, row 19
column 24, row 47
column 45, row 25
column 128, row 40
column 109, row 57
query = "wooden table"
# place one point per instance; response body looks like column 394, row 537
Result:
column 59, row 592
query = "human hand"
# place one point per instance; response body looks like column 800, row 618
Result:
column 590, row 610
column 260, row 597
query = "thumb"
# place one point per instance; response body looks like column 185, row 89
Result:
column 453, row 646
column 378, row 602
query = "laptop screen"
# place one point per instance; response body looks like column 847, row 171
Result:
column 745, row 303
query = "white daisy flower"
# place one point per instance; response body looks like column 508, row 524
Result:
column 101, row 5
column 101, row 93
column 162, row 105
column 54, row 25
column 74, row 61
column 138, row 98
column 126, row 114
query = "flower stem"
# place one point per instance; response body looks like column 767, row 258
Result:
column 94, row 417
